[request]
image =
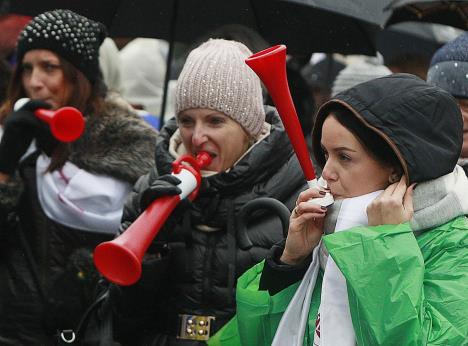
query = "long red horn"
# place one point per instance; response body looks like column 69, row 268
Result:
column 119, row 260
column 270, row 67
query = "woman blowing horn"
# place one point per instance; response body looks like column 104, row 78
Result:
column 396, row 267
column 187, row 289
column 67, row 197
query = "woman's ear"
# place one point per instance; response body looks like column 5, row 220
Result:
column 394, row 176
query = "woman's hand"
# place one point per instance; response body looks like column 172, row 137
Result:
column 305, row 227
column 393, row 206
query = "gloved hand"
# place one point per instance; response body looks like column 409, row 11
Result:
column 165, row 185
column 20, row 127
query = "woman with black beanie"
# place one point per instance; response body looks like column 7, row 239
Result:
column 59, row 200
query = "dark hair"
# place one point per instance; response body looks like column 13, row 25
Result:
column 374, row 144
column 86, row 96
column 5, row 74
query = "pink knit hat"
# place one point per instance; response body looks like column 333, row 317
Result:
column 216, row 77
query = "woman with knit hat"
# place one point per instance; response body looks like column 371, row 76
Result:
column 60, row 200
column 187, row 289
column 386, row 263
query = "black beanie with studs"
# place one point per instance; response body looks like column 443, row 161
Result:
column 68, row 34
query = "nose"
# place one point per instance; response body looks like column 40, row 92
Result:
column 199, row 136
column 328, row 173
column 35, row 79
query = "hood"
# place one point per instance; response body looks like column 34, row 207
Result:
column 421, row 123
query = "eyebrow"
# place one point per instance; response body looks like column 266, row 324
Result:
column 208, row 115
column 42, row 61
column 339, row 148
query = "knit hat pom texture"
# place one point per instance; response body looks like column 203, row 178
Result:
column 216, row 77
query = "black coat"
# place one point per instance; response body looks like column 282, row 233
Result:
column 193, row 271
column 61, row 256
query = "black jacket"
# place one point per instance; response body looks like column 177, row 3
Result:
column 193, row 271
column 35, row 304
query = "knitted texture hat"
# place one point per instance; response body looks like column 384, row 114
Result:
column 71, row 36
column 449, row 67
column 356, row 73
column 216, row 77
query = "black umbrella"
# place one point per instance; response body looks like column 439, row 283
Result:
column 305, row 26
column 453, row 12
column 101, row 10
column 413, row 38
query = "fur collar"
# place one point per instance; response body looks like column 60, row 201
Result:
column 117, row 143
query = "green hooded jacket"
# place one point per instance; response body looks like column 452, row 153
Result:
column 397, row 289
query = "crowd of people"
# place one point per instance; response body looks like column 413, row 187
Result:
column 385, row 264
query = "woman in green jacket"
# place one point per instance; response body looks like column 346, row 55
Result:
column 404, row 267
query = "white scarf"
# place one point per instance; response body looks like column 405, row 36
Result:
column 334, row 322
column 78, row 199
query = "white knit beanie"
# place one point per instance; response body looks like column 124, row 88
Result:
column 356, row 73
column 216, row 77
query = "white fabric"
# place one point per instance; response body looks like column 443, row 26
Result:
column 78, row 199
column 109, row 62
column 338, row 329
column 291, row 327
column 143, row 69
column 335, row 324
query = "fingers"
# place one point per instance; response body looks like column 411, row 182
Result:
column 408, row 199
column 309, row 194
column 32, row 105
column 164, row 190
column 400, row 189
column 170, row 179
column 309, row 210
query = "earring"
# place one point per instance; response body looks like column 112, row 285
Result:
column 393, row 178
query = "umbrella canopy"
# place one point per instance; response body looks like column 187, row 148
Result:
column 304, row 26
column 453, row 12
column 413, row 38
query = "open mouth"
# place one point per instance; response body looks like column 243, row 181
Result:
column 213, row 155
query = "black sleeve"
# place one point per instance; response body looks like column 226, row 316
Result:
column 132, row 207
column 10, row 193
column 276, row 275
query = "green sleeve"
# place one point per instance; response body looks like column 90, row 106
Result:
column 258, row 314
column 399, row 286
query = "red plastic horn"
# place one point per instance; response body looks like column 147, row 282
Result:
column 119, row 260
column 270, row 66
column 66, row 123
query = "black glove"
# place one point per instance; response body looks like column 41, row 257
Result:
column 165, row 185
column 20, row 128
column 45, row 141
